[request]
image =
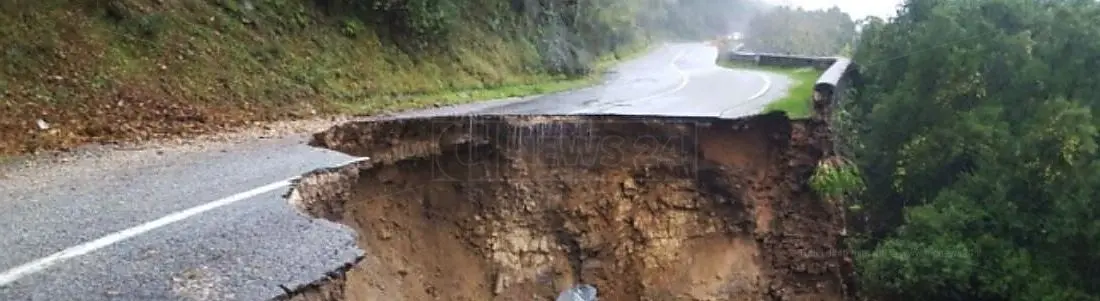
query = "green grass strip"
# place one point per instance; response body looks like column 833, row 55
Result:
column 797, row 103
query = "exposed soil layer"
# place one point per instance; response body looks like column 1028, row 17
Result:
column 522, row 207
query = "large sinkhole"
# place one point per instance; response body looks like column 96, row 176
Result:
column 523, row 207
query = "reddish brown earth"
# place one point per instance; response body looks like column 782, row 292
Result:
column 521, row 207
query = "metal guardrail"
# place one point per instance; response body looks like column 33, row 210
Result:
column 785, row 60
column 838, row 71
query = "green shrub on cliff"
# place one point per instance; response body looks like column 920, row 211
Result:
column 836, row 178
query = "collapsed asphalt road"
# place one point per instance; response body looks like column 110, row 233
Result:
column 210, row 223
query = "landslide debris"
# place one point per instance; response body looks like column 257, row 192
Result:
column 523, row 207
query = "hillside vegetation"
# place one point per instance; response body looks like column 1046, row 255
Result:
column 976, row 136
column 75, row 71
column 797, row 31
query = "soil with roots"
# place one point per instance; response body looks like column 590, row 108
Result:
column 523, row 207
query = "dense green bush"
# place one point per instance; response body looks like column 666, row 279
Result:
column 417, row 21
column 975, row 132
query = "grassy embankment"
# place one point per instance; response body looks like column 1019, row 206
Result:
column 541, row 85
column 124, row 70
column 797, row 103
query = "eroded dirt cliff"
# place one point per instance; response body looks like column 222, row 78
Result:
column 522, row 207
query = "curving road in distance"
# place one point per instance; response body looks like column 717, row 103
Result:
column 209, row 223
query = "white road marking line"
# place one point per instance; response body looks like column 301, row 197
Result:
column 684, row 79
column 767, row 86
column 14, row 274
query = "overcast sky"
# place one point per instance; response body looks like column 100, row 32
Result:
column 858, row 9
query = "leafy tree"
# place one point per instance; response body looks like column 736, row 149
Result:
column 974, row 131
column 799, row 31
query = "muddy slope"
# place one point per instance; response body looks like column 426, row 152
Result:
column 521, row 207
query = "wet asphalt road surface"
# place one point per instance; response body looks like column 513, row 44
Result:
column 130, row 225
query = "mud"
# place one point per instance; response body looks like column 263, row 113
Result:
column 522, row 207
